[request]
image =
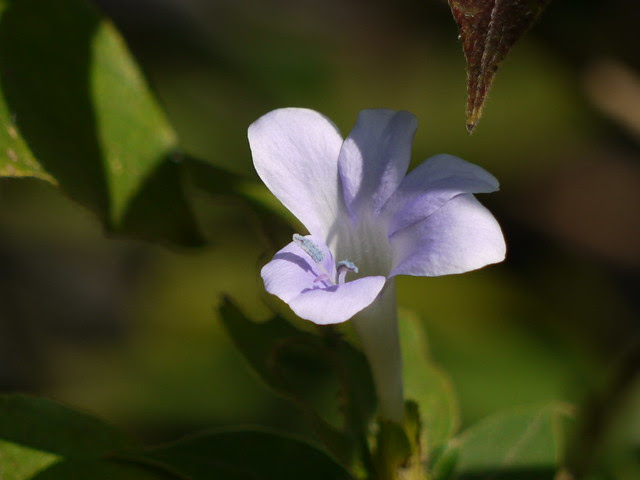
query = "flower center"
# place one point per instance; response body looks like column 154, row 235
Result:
column 366, row 243
column 314, row 252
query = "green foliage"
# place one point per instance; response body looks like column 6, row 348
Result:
column 428, row 385
column 16, row 159
column 523, row 444
column 40, row 439
column 82, row 469
column 74, row 106
column 443, row 461
column 309, row 370
column 244, row 455
column 47, row 426
column 231, row 195
column 76, row 111
column 392, row 451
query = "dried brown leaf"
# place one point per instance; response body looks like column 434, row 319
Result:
column 488, row 30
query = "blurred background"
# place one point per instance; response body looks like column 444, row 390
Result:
column 128, row 328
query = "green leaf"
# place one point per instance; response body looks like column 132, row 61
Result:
column 247, row 455
column 488, row 30
column 132, row 130
column 161, row 210
column 41, row 439
column 523, row 444
column 96, row 469
column 18, row 462
column 16, row 159
column 240, row 198
column 313, row 372
column 74, row 106
column 44, row 425
column 428, row 385
column 444, row 461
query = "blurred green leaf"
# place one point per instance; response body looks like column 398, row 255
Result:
column 393, row 451
column 16, row 160
column 132, row 129
column 488, row 30
column 218, row 197
column 523, row 444
column 41, row 439
column 18, row 462
column 443, row 461
column 247, row 455
column 81, row 469
column 44, row 425
column 189, row 202
column 161, row 210
column 72, row 91
column 428, row 385
column 312, row 371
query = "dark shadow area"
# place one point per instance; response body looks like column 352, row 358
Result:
column 160, row 210
column 169, row 208
column 246, row 211
column 532, row 473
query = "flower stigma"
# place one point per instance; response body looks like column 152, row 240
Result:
column 343, row 267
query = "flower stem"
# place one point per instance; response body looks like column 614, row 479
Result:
column 377, row 327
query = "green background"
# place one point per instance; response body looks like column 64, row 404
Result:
column 109, row 285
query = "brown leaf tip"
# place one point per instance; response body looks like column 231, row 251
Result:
column 470, row 127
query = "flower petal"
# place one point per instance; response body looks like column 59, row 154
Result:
column 296, row 279
column 460, row 236
column 374, row 158
column 337, row 303
column 291, row 271
column 432, row 184
column 295, row 152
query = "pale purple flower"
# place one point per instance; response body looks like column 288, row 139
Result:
column 368, row 220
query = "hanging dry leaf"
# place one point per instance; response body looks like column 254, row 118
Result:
column 488, row 29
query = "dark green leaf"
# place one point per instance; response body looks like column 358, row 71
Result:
column 16, row 159
column 524, row 444
column 100, row 470
column 188, row 202
column 247, row 455
column 240, row 198
column 69, row 87
column 311, row 370
column 41, row 439
column 488, row 30
column 161, row 209
column 44, row 425
column 428, row 385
